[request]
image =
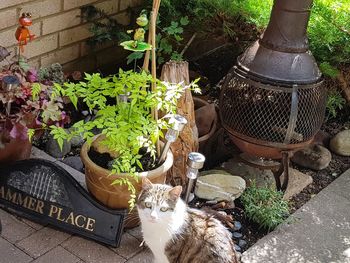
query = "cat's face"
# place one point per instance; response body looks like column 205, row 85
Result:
column 157, row 202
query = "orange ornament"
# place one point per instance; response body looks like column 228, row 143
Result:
column 22, row 33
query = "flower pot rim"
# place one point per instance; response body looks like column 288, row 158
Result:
column 213, row 126
column 165, row 166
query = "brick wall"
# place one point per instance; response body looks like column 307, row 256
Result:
column 60, row 32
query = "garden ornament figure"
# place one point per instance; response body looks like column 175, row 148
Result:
column 22, row 33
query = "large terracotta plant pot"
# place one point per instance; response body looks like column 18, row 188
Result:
column 15, row 150
column 99, row 183
column 207, row 121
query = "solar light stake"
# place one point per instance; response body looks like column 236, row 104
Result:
column 9, row 83
column 171, row 135
column 195, row 161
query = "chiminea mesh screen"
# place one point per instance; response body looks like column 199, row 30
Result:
column 271, row 114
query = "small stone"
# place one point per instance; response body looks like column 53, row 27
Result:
column 77, row 140
column 219, row 187
column 334, row 174
column 87, row 118
column 54, row 149
column 315, row 157
column 242, row 243
column 85, row 113
column 74, row 162
column 237, row 248
column 237, row 235
column 340, row 143
column 237, row 225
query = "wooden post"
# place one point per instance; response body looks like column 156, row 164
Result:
column 177, row 72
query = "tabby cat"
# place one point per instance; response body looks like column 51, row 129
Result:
column 176, row 233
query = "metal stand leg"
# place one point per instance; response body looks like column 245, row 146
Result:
column 283, row 169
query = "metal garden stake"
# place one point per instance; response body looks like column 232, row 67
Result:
column 172, row 134
column 195, row 161
column 9, row 83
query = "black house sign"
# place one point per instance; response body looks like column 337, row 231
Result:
column 44, row 192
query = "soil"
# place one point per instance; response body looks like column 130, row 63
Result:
column 103, row 160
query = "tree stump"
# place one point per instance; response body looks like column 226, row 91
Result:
column 177, row 72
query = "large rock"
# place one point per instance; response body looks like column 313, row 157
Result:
column 261, row 177
column 315, row 157
column 340, row 143
column 219, row 186
column 74, row 162
column 298, row 181
column 54, row 150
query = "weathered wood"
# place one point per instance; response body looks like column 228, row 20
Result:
column 344, row 80
column 177, row 72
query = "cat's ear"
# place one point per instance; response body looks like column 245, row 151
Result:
column 146, row 184
column 175, row 192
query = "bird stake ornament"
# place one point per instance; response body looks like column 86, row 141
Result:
column 23, row 34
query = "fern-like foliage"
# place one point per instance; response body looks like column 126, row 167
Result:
column 265, row 206
column 128, row 126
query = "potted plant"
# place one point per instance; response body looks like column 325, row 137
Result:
column 26, row 106
column 126, row 147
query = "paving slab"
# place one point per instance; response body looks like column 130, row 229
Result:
column 136, row 232
column 57, row 255
column 13, row 229
column 42, row 241
column 91, row 252
column 319, row 232
column 9, row 253
column 129, row 246
column 145, row 256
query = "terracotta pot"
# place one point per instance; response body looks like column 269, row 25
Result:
column 99, row 183
column 15, row 150
column 199, row 103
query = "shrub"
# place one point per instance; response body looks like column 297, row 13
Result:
column 335, row 102
column 264, row 206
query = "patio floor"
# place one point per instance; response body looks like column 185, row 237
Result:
column 319, row 232
column 23, row 241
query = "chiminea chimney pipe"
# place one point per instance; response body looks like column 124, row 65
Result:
column 282, row 52
column 286, row 31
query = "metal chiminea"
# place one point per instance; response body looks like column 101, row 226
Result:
column 273, row 101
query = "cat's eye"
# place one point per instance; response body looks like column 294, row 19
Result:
column 164, row 209
column 148, row 205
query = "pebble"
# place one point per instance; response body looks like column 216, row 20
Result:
column 237, row 235
column 85, row 113
column 237, row 225
column 237, row 248
column 242, row 243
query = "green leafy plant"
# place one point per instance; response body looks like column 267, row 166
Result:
column 335, row 102
column 169, row 40
column 29, row 104
column 129, row 129
column 265, row 206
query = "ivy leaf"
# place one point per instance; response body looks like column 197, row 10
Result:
column 134, row 56
column 184, row 21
